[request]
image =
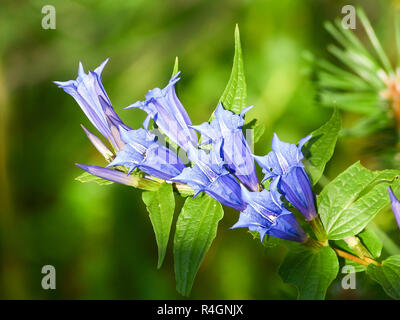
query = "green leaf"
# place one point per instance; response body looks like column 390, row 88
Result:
column 310, row 270
column 160, row 205
column 349, row 202
column 257, row 130
column 196, row 228
column 371, row 241
column 176, row 67
column 319, row 149
column 234, row 96
column 387, row 275
column 88, row 177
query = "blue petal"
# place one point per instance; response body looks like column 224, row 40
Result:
column 265, row 214
column 143, row 152
column 208, row 175
column 161, row 162
column 296, row 188
column 226, row 129
column 395, row 205
column 208, row 131
column 89, row 93
column 284, row 155
column 164, row 107
column 284, row 162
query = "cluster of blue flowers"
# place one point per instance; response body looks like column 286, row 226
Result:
column 225, row 170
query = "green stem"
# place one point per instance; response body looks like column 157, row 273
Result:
column 316, row 245
column 363, row 261
column 313, row 243
column 319, row 231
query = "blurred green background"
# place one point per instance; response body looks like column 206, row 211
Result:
column 99, row 238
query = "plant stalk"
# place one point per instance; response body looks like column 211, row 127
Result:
column 319, row 231
column 363, row 261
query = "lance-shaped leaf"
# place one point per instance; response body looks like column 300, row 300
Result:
column 319, row 149
column 253, row 132
column 160, row 205
column 88, row 177
column 175, row 70
column 196, row 228
column 349, row 202
column 234, row 96
column 310, row 270
column 387, row 275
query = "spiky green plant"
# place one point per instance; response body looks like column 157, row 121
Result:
column 363, row 81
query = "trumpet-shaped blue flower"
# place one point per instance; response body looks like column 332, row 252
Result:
column 395, row 203
column 235, row 151
column 142, row 151
column 89, row 93
column 266, row 214
column 164, row 107
column 209, row 175
column 284, row 164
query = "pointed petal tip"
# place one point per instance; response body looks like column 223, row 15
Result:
column 82, row 166
column 137, row 104
column 81, row 71
column 63, row 84
column 100, row 68
column 245, row 110
column 234, row 226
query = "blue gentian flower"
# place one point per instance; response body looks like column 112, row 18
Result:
column 142, row 151
column 284, row 164
column 395, row 203
column 227, row 126
column 89, row 93
column 209, row 175
column 164, row 107
column 266, row 214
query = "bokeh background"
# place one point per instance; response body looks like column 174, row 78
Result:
column 99, row 238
